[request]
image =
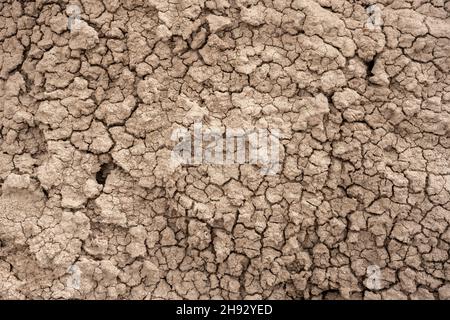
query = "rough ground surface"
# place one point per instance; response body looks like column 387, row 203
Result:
column 85, row 123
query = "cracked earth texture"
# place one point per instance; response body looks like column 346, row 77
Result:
column 89, row 208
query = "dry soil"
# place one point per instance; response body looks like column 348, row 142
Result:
column 90, row 208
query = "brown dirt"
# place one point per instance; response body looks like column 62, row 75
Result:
column 89, row 207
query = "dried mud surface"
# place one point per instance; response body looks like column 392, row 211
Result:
column 90, row 209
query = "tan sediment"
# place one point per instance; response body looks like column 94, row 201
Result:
column 91, row 209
